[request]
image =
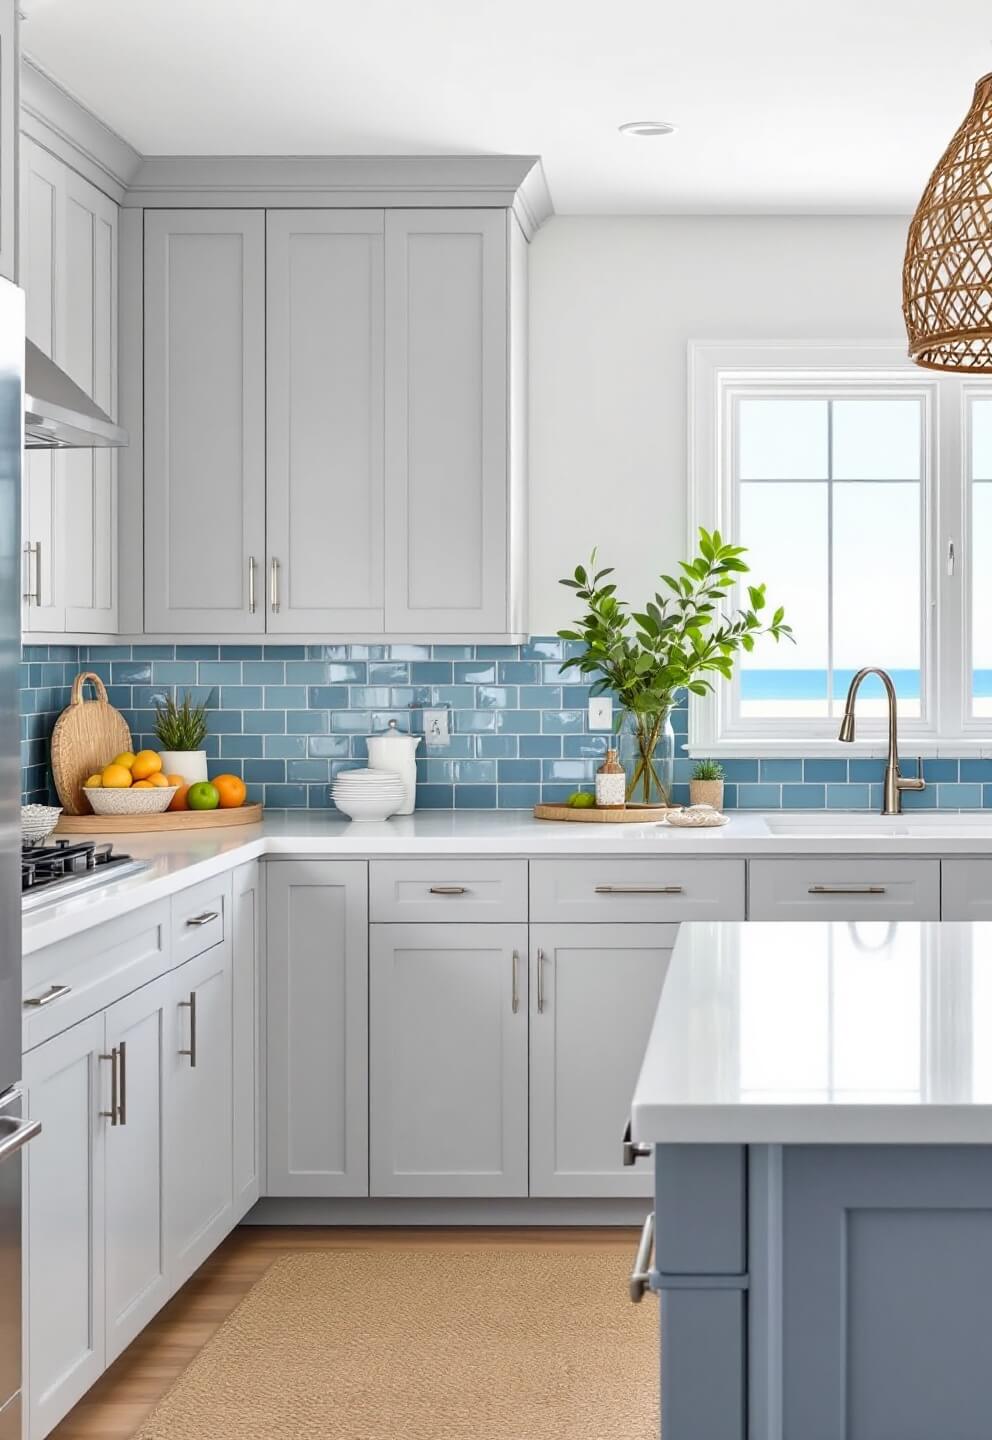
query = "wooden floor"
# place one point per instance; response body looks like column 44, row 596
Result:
column 121, row 1399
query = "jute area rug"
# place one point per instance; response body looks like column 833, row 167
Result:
column 427, row 1344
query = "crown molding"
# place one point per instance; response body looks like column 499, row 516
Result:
column 63, row 125
column 513, row 182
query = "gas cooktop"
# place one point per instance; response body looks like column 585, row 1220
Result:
column 69, row 867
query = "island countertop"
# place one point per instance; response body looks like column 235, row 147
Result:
column 822, row 1033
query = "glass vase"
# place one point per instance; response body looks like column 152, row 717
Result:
column 647, row 754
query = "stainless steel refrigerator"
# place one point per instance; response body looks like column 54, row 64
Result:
column 15, row 1127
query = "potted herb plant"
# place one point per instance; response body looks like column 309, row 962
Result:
column 706, row 784
column 181, row 731
column 676, row 643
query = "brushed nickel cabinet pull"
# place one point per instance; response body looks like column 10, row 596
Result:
column 846, row 890
column 122, row 1086
column 251, row 584
column 54, row 992
column 274, row 585
column 540, row 982
column 32, row 551
column 114, row 1111
column 633, row 1150
column 639, row 889
column 515, row 1001
column 190, row 1005
column 204, row 918
column 640, row 1277
column 15, row 1134
column 448, row 889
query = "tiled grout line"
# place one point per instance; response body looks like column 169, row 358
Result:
column 289, row 717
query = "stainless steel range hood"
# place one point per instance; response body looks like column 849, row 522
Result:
column 58, row 415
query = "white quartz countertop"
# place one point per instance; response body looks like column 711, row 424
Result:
column 822, row 1033
column 180, row 858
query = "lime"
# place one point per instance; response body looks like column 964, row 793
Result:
column 203, row 796
column 581, row 800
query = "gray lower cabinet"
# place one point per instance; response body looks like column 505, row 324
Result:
column 966, row 890
column 593, row 994
column 448, row 1060
column 246, row 1034
column 811, row 888
column 317, row 1027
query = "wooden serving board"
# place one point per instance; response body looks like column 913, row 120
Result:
column 634, row 815
column 87, row 735
column 171, row 820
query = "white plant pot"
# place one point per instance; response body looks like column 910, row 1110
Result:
column 190, row 764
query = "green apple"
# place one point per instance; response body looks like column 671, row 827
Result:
column 203, row 796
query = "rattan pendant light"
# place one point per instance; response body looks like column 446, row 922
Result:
column 947, row 273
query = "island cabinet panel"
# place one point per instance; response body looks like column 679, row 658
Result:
column 886, row 1292
column 64, row 1282
column 593, row 994
column 317, row 1027
column 966, row 890
column 448, row 1061
column 200, row 1131
column 853, row 889
column 619, row 890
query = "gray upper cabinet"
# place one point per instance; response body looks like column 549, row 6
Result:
column 324, row 346
column 447, row 433
column 204, row 421
column 9, row 65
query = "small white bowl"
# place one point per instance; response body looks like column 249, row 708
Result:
column 369, row 809
column 38, row 822
column 129, row 801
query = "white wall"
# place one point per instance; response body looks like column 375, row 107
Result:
column 612, row 304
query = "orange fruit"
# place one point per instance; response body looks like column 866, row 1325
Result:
column 158, row 780
column 175, row 780
column 179, row 801
column 146, row 763
column 232, row 790
column 116, row 777
column 142, row 785
column 125, row 758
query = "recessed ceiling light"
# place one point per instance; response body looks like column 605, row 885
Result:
column 647, row 127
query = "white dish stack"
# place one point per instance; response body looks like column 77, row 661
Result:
column 368, row 794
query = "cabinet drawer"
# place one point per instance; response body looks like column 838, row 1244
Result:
column 854, row 889
column 966, row 890
column 438, row 890
column 200, row 917
column 67, row 982
column 639, row 890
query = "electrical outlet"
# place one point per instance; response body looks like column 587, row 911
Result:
column 436, row 731
column 600, row 712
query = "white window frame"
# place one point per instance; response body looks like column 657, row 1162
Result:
column 718, row 373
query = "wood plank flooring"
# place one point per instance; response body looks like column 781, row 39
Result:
column 121, row 1399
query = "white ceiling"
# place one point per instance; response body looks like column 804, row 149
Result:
column 791, row 105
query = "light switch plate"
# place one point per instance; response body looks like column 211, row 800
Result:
column 600, row 712
column 436, row 731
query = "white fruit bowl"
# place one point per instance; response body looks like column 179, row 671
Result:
column 367, row 809
column 130, row 802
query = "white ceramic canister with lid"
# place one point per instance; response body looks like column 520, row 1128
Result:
column 396, row 752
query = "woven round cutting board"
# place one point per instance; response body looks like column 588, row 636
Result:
column 87, row 736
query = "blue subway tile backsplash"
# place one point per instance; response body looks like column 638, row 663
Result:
column 288, row 718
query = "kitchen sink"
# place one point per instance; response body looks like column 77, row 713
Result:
column 946, row 824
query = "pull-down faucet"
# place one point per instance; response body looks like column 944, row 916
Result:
column 894, row 783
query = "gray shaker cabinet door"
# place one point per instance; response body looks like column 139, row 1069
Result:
column 592, row 1007
column 317, row 1027
column 324, row 443
column 448, row 1059
column 204, row 421
column 447, row 497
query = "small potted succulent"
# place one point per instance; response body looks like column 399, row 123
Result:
column 706, row 784
column 181, row 731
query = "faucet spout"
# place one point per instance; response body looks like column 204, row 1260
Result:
column 894, row 783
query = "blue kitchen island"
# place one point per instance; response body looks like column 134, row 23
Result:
column 818, row 1097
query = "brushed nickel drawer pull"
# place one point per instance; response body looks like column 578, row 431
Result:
column 540, row 982
column 122, row 1102
column 515, row 1000
column 190, row 1005
column 54, row 992
column 449, row 889
column 203, row 919
column 639, row 889
column 633, row 1150
column 846, row 890
column 640, row 1277
column 251, row 584
column 114, row 1111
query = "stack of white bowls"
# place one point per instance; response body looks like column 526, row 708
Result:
column 368, row 794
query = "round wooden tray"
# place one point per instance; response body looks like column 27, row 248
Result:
column 171, row 820
column 632, row 815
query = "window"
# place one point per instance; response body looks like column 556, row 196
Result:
column 854, row 479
